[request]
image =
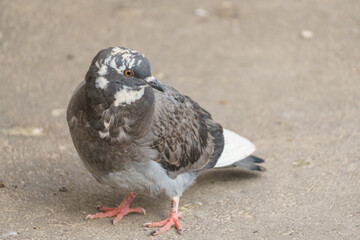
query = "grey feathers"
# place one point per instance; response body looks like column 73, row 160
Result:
column 184, row 133
column 137, row 134
column 251, row 163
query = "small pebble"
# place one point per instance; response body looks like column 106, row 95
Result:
column 10, row 234
column 301, row 163
column 307, row 34
column 21, row 131
column 57, row 112
column 201, row 12
column 63, row 189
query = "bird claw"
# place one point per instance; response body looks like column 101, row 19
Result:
column 166, row 224
column 118, row 212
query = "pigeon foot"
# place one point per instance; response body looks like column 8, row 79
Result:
column 166, row 224
column 118, row 212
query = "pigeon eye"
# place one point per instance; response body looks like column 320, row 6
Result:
column 128, row 73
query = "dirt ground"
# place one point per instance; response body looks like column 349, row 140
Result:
column 284, row 74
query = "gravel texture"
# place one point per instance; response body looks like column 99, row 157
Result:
column 284, row 74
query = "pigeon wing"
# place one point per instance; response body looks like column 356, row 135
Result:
column 184, row 134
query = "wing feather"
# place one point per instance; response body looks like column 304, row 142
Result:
column 185, row 135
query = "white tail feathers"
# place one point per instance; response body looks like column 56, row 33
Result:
column 236, row 148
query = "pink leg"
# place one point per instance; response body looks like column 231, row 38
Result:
column 166, row 224
column 118, row 212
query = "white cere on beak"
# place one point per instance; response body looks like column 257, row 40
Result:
column 150, row 79
column 101, row 82
column 127, row 96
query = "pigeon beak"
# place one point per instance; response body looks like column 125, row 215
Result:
column 154, row 83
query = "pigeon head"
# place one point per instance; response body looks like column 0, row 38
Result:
column 120, row 75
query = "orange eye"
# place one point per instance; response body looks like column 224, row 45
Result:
column 128, row 73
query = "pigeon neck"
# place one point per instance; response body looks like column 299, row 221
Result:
column 123, row 119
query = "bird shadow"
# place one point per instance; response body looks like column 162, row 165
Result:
column 81, row 194
column 225, row 175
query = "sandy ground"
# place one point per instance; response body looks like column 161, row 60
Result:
column 295, row 94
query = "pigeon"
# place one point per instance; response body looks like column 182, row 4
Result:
column 138, row 135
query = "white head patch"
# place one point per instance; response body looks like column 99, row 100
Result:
column 139, row 62
column 127, row 96
column 101, row 82
column 103, row 70
column 128, row 60
column 116, row 50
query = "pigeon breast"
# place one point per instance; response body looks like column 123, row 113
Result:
column 105, row 135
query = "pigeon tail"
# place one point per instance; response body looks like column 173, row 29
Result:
column 249, row 163
column 236, row 148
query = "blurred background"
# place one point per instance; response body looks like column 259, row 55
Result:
column 284, row 74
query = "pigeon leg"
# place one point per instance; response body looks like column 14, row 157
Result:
column 118, row 212
column 166, row 224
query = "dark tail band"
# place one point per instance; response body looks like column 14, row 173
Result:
column 250, row 163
